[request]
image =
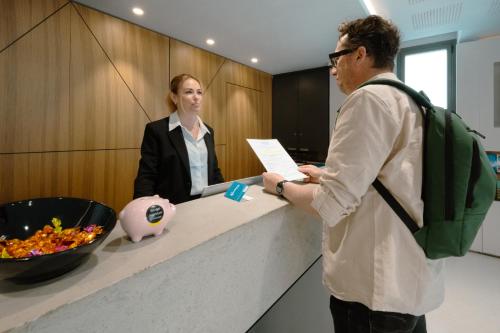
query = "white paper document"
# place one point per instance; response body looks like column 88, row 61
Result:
column 274, row 158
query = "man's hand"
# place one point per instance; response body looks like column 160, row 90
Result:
column 270, row 180
column 312, row 171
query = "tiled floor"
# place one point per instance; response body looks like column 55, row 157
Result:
column 472, row 301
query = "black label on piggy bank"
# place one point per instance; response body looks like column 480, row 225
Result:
column 154, row 214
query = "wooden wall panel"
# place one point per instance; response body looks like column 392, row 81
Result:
column 34, row 88
column 220, row 151
column 244, row 76
column 77, row 91
column 211, row 70
column 214, row 110
column 104, row 176
column 104, row 113
column 142, row 60
column 197, row 62
column 19, row 16
column 246, row 117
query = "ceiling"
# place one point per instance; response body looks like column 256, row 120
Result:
column 291, row 35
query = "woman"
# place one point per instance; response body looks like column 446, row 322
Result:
column 178, row 152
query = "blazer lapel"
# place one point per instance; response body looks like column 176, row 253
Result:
column 177, row 140
column 211, row 153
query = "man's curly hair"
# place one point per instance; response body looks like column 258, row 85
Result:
column 379, row 36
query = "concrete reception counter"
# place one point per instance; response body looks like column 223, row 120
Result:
column 217, row 268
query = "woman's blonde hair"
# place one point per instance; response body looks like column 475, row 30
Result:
column 175, row 84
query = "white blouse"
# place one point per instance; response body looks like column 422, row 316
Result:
column 197, row 153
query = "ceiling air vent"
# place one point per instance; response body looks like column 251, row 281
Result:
column 414, row 2
column 449, row 14
column 495, row 7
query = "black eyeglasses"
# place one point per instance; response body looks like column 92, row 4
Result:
column 335, row 56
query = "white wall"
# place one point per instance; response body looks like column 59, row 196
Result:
column 475, row 69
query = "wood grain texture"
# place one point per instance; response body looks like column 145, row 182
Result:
column 245, row 76
column 214, row 110
column 103, row 112
column 77, row 90
column 246, row 117
column 201, row 64
column 34, row 88
column 19, row 16
column 208, row 68
column 220, row 151
column 104, row 176
column 142, row 60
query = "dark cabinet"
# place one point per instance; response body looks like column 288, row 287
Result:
column 301, row 113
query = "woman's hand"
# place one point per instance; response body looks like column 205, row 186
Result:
column 312, row 171
column 270, row 180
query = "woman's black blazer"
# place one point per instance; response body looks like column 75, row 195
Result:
column 164, row 164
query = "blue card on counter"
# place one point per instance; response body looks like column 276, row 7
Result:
column 236, row 191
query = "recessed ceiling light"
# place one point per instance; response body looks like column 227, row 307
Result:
column 210, row 41
column 254, row 60
column 138, row 11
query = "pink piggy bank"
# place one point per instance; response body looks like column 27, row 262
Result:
column 146, row 216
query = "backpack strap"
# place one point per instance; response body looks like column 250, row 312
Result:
column 419, row 98
column 396, row 206
column 422, row 101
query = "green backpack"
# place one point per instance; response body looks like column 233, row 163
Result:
column 458, row 185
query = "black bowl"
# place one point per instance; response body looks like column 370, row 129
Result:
column 22, row 219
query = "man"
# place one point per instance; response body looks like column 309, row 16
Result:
column 378, row 276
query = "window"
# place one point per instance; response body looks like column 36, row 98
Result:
column 430, row 68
